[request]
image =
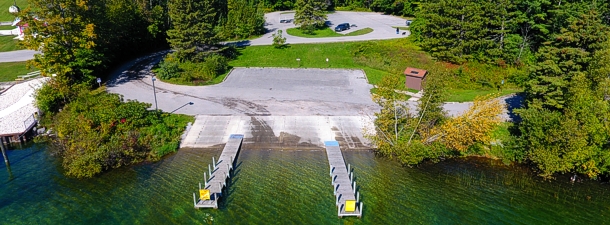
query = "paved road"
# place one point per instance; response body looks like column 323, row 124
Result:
column 381, row 25
column 17, row 56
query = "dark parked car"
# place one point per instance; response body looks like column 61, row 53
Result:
column 342, row 27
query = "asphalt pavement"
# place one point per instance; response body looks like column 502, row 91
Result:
column 17, row 56
column 381, row 25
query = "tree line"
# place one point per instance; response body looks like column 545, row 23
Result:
column 564, row 46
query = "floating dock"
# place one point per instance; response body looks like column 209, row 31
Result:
column 219, row 172
column 347, row 199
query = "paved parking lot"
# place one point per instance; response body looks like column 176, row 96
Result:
column 258, row 92
column 381, row 25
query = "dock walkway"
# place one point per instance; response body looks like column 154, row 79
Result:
column 219, row 173
column 347, row 199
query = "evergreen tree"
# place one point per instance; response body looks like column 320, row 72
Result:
column 453, row 30
column 310, row 14
column 565, row 125
column 568, row 55
column 244, row 19
column 192, row 34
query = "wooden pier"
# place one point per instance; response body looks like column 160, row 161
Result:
column 347, row 199
column 219, row 172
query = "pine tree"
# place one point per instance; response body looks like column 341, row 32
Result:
column 192, row 34
column 568, row 55
column 565, row 126
column 453, row 30
column 310, row 14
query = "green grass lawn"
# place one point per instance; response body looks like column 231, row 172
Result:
column 8, row 44
column 401, row 28
column 11, row 70
column 326, row 32
column 5, row 4
column 360, row 32
column 311, row 55
column 7, row 27
column 469, row 95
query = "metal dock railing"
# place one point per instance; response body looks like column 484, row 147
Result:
column 211, row 192
column 347, row 199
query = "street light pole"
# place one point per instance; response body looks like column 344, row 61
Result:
column 155, row 92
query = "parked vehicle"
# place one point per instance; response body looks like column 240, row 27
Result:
column 409, row 22
column 342, row 27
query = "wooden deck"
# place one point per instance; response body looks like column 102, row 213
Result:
column 219, row 172
column 342, row 178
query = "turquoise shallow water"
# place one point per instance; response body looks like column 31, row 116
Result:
column 292, row 187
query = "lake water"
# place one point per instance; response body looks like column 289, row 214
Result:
column 292, row 187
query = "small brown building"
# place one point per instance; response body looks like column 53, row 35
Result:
column 414, row 78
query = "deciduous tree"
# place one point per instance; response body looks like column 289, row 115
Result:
column 475, row 125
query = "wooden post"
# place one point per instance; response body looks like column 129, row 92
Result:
column 358, row 197
column 354, row 187
column 194, row 200
column 205, row 179
column 8, row 164
column 210, row 170
column 351, row 176
column 360, row 210
column 214, row 162
column 349, row 168
column 228, row 171
column 199, row 185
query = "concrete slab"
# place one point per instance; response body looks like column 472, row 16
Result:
column 279, row 132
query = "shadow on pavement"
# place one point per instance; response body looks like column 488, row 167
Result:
column 514, row 102
column 136, row 69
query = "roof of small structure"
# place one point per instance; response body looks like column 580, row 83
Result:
column 414, row 72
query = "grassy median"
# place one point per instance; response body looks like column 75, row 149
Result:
column 326, row 32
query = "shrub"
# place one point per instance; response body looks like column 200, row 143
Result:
column 97, row 131
column 212, row 66
column 168, row 69
column 48, row 99
column 278, row 40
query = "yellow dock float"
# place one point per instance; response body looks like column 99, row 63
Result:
column 211, row 192
column 347, row 199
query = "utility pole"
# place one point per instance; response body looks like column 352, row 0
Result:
column 155, row 93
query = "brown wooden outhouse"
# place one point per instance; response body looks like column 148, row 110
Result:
column 414, row 78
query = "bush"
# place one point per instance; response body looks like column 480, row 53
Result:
column 168, row 69
column 212, row 66
column 48, row 99
column 97, row 131
column 278, row 40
